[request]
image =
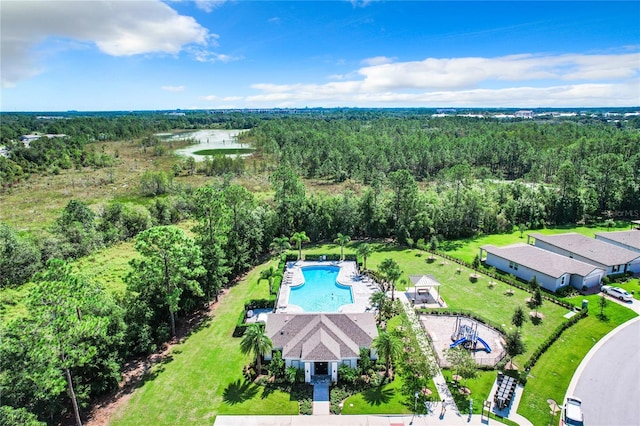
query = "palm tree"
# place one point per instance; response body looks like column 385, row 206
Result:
column 388, row 347
column 342, row 240
column 279, row 245
column 298, row 238
column 270, row 274
column 391, row 272
column 256, row 342
column 378, row 300
column 364, row 250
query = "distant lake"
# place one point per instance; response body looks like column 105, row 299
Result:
column 210, row 142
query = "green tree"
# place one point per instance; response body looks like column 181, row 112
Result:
column 342, row 240
column 257, row 343
column 298, row 238
column 522, row 228
column 154, row 183
column 403, row 203
column 279, row 245
column 514, row 345
column 289, row 198
column 76, row 227
column 64, row 335
column 365, row 250
column 462, row 363
column 19, row 258
column 212, row 229
column 388, row 347
column 391, row 272
column 270, row 274
column 536, row 301
column 602, row 303
column 170, row 264
column 379, row 301
column 10, row 416
column 519, row 318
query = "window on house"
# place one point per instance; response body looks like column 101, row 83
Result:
column 615, row 268
column 563, row 277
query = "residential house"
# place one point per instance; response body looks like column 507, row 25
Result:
column 629, row 240
column 320, row 342
column 613, row 259
column 552, row 271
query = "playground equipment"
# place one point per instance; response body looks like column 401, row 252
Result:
column 467, row 336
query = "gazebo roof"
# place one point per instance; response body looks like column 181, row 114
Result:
column 424, row 281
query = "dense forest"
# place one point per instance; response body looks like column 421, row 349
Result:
column 402, row 176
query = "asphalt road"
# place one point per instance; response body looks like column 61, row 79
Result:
column 609, row 385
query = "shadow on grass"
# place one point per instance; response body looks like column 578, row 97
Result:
column 239, row 391
column 378, row 395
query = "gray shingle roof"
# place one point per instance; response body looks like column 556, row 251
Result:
column 321, row 337
column 629, row 238
column 543, row 261
column 589, row 248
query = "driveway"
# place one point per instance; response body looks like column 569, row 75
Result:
column 608, row 379
column 634, row 305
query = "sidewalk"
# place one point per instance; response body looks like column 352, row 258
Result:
column 370, row 420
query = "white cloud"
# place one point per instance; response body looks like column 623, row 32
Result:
column 173, row 88
column 117, row 28
column 209, row 5
column 378, row 60
column 205, row 55
column 515, row 80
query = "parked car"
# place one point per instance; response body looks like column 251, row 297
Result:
column 572, row 412
column 617, row 292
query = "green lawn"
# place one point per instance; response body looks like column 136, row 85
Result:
column 551, row 375
column 203, row 376
column 386, row 399
column 632, row 286
column 467, row 249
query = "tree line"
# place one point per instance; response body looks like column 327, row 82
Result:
column 426, row 180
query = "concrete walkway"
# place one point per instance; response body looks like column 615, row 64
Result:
column 321, row 404
column 370, row 420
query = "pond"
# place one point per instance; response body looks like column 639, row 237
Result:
column 210, row 142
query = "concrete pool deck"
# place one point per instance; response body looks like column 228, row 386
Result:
column 361, row 287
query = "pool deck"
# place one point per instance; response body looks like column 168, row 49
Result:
column 361, row 287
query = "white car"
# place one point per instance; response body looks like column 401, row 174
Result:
column 572, row 412
column 617, row 292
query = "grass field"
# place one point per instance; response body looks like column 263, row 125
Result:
column 190, row 387
column 467, row 249
column 551, row 375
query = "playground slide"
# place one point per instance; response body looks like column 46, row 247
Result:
column 457, row 342
column 486, row 345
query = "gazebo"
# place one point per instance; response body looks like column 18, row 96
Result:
column 424, row 284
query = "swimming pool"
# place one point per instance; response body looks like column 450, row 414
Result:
column 320, row 291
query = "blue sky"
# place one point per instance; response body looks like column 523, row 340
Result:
column 151, row 54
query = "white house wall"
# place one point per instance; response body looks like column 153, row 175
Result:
column 524, row 273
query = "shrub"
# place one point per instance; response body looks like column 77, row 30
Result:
column 347, row 374
column 290, row 374
column 277, row 366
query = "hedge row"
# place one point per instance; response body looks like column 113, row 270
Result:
column 241, row 326
column 553, row 337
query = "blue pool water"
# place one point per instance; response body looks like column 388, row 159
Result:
column 320, row 291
